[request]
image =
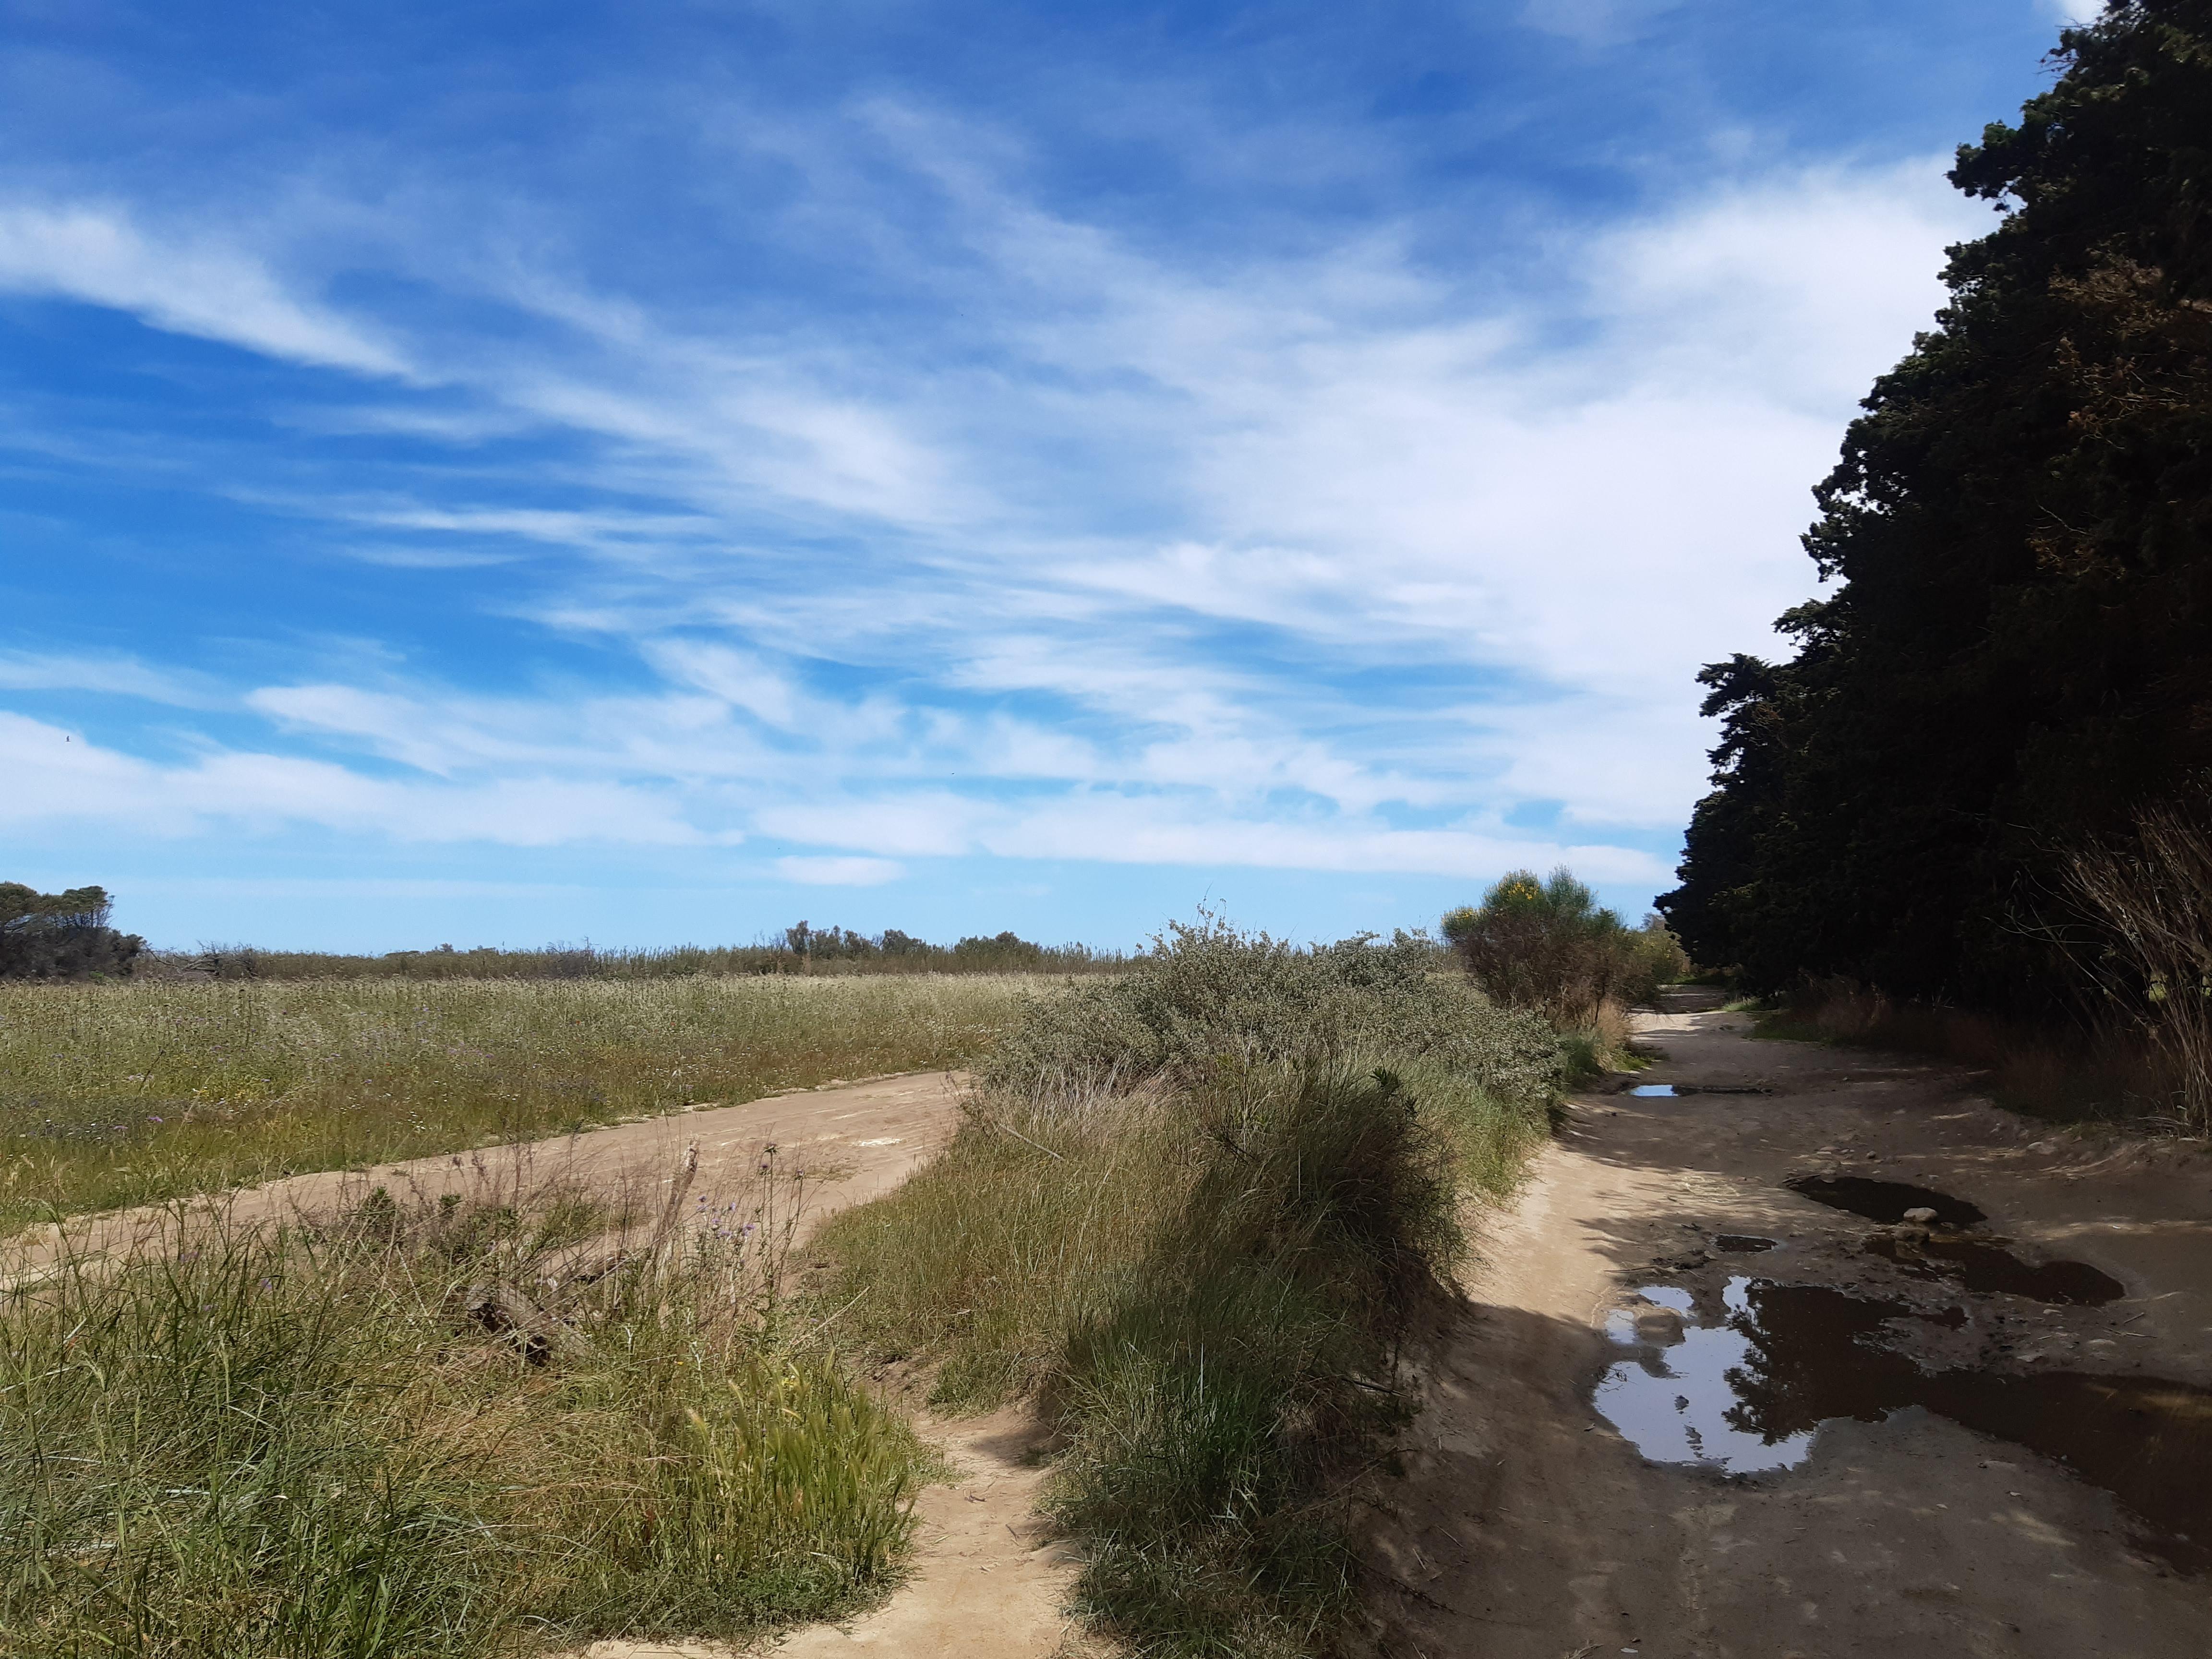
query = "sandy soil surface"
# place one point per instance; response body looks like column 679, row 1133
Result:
column 856, row 1141
column 1529, row 1525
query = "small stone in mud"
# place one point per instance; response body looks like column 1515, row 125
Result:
column 1921, row 1215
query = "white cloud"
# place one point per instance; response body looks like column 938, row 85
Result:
column 839, row 872
column 117, row 676
column 185, row 284
column 1256, row 561
column 738, row 678
column 57, row 779
column 1596, row 22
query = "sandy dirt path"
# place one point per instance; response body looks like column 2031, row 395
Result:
column 857, row 1140
column 1529, row 1527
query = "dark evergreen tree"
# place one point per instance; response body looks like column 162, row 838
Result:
column 60, row 935
column 2019, row 654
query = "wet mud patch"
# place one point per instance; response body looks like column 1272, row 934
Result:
column 1740, row 1242
column 1984, row 1264
column 1885, row 1201
column 1748, row 1395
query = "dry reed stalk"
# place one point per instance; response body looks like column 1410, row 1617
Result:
column 2149, row 900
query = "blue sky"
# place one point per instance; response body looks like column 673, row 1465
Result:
column 653, row 471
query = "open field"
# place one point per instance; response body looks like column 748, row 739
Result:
column 135, row 1092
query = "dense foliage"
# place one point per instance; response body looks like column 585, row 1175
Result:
column 60, row 935
column 1550, row 946
column 2021, row 653
column 1208, row 994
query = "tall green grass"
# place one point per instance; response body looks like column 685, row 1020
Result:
column 1188, row 1215
column 136, row 1092
column 437, row 1430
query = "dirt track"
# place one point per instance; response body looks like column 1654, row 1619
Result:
column 1529, row 1528
column 858, row 1141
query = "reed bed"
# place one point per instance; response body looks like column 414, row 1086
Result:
column 139, row 1092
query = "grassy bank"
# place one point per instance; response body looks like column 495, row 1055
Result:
column 135, row 1092
column 1188, row 1216
column 466, row 1429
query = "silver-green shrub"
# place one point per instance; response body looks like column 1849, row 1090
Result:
column 1208, row 993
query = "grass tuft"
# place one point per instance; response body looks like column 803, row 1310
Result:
column 422, row 1429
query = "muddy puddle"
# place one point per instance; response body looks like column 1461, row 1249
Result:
column 1668, row 1091
column 1748, row 1392
column 1984, row 1264
column 1885, row 1201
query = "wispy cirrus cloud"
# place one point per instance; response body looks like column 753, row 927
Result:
column 196, row 284
column 61, row 781
column 1387, row 476
column 816, row 872
column 111, row 675
column 877, row 475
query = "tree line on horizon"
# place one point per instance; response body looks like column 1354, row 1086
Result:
column 2009, row 691
column 68, row 936
column 801, row 949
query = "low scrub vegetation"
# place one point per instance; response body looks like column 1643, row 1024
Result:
column 149, row 1089
column 1188, row 1215
column 1548, row 945
column 434, row 1428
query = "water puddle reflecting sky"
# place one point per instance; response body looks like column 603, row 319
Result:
column 1674, row 1399
column 1749, row 1395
